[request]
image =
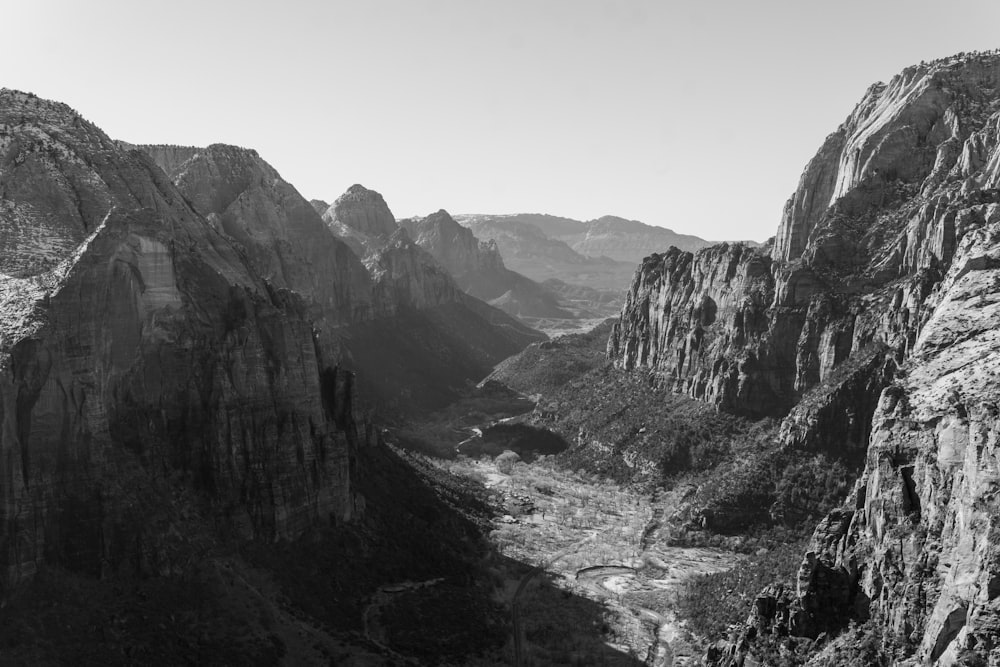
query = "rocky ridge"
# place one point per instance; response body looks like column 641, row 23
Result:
column 140, row 344
column 626, row 240
column 888, row 242
column 174, row 351
column 527, row 249
column 396, row 285
column 752, row 329
column 479, row 269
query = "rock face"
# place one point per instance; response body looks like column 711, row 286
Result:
column 244, row 198
column 929, row 125
column 919, row 552
column 479, row 270
column 455, row 247
column 752, row 329
column 891, row 242
column 362, row 210
column 396, row 287
column 137, row 343
column 190, row 334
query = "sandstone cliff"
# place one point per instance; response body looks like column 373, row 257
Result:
column 284, row 239
column 397, row 286
column 362, row 210
column 751, row 330
column 139, row 344
column 889, row 241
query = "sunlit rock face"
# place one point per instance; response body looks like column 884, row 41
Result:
column 889, row 246
column 865, row 239
column 917, row 549
column 930, row 125
column 285, row 239
column 137, row 345
column 362, row 210
column 403, row 275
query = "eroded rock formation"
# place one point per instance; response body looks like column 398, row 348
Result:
column 138, row 343
column 891, row 240
column 184, row 339
column 865, row 238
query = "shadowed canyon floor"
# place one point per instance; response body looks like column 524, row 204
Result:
column 592, row 539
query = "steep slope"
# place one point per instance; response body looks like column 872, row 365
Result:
column 916, row 549
column 478, row 268
column 751, row 331
column 138, row 344
column 285, row 241
column 428, row 339
column 889, row 240
column 291, row 246
column 183, row 478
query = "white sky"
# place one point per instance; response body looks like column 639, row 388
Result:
column 697, row 115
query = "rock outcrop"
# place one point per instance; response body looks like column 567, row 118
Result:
column 191, row 335
column 455, row 247
column 396, row 286
column 287, row 244
column 362, row 210
column 479, row 270
column 885, row 272
column 752, row 329
column 138, row 343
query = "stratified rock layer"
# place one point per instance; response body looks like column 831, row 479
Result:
column 891, row 242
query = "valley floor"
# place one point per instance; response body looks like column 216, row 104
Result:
column 590, row 538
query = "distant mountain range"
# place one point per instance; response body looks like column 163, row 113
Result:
column 609, row 236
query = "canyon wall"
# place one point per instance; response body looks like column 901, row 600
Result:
column 887, row 247
column 139, row 345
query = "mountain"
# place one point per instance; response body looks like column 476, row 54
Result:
column 138, row 340
column 531, row 252
column 610, row 237
column 869, row 325
column 288, row 243
column 622, row 240
column 479, row 269
column 186, row 477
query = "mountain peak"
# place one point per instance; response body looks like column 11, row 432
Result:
column 363, row 210
column 917, row 134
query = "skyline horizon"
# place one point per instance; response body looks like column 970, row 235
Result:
column 678, row 116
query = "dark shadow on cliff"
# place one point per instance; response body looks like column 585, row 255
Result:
column 411, row 581
column 423, row 360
